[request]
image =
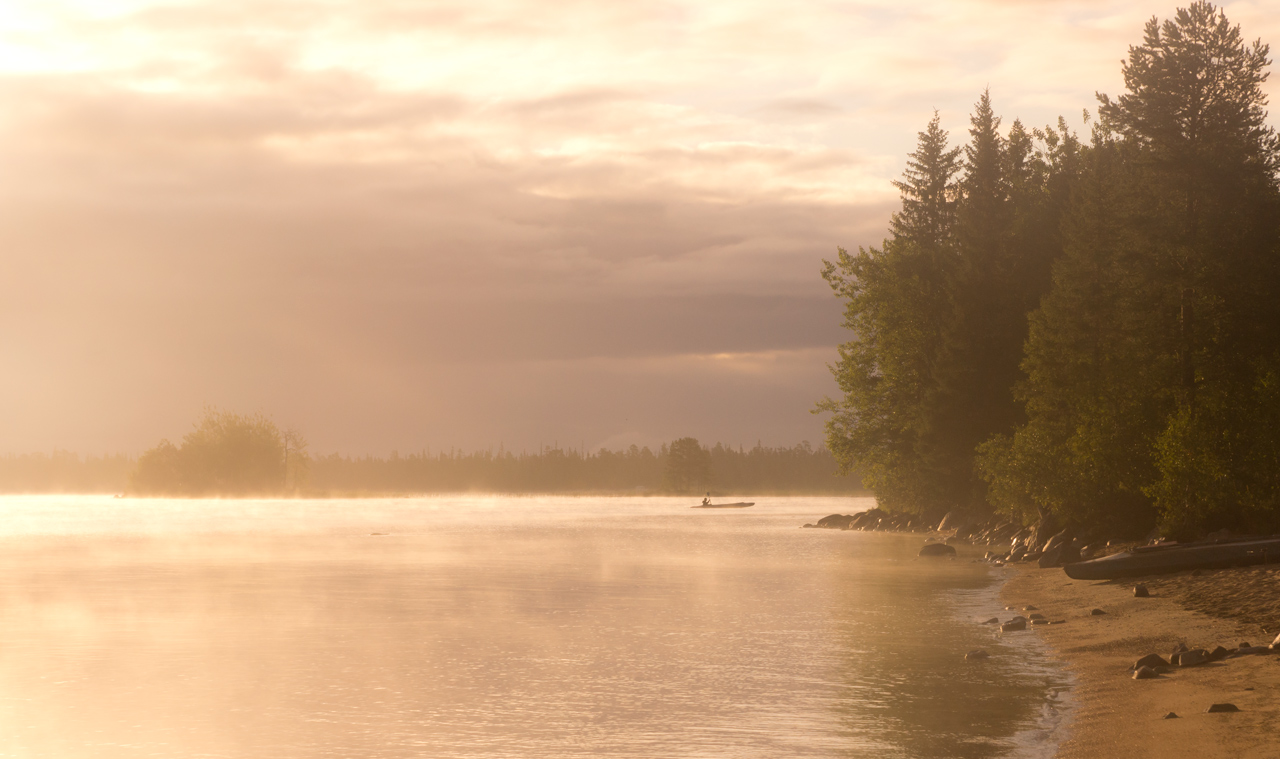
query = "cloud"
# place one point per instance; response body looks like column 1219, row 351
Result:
column 470, row 222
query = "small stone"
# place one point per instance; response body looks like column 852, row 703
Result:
column 992, row 621
column 976, row 655
column 1170, row 715
column 1030, row 608
column 1140, row 591
column 1216, row 708
column 1218, row 654
column 1014, row 625
column 937, row 549
column 1058, row 622
column 1150, row 660
column 1041, row 621
column 1034, row 617
column 1144, row 673
column 1097, row 612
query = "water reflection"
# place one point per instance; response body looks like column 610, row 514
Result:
column 486, row 628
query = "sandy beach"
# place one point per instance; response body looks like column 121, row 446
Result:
column 1117, row 716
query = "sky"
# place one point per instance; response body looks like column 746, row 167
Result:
column 421, row 225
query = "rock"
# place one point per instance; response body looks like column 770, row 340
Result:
column 1170, row 715
column 1030, row 608
column 1150, row 660
column 1220, row 708
column 977, row 655
column 1252, row 651
column 954, row 519
column 1058, row 622
column 1097, row 613
column 836, row 521
column 1050, row 558
column 1031, row 556
column 810, row 525
column 937, row 549
column 1017, row 553
column 1140, row 591
column 1144, row 673
column 1180, row 648
column 1218, row 654
column 1034, row 617
column 1013, row 626
column 1192, row 658
column 1244, row 644
column 1041, row 621
column 992, row 621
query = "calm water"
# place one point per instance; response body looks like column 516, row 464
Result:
column 496, row 627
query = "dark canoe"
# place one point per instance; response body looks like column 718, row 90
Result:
column 739, row 505
column 1150, row 560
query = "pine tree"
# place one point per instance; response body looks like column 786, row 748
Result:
column 897, row 307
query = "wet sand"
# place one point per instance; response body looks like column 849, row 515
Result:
column 1117, row 716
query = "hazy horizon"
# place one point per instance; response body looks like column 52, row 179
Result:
column 397, row 227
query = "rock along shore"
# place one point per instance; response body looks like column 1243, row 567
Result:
column 1120, row 715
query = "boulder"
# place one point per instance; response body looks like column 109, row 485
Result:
column 937, row 549
column 836, row 521
column 992, row 621
column 1140, row 591
column 1150, row 660
column 1052, row 557
column 1219, row 653
column 1170, row 715
column 1014, row 625
column 1034, row 617
column 1097, row 613
column 1144, row 673
column 1192, row 658
column 1220, row 708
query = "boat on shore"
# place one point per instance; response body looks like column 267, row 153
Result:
column 1177, row 557
column 739, row 505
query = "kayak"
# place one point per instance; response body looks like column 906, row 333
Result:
column 1176, row 557
column 739, row 505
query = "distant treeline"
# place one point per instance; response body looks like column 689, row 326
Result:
column 233, row 455
column 1083, row 327
column 64, row 472
column 683, row 466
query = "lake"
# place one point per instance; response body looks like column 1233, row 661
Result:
column 473, row 626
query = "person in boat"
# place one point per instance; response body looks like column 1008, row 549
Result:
column 707, row 501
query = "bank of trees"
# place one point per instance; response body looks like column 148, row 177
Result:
column 682, row 467
column 1084, row 327
column 227, row 454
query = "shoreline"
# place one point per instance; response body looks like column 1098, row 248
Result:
column 1113, row 715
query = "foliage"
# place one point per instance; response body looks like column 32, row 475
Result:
column 688, row 466
column 1110, row 349
column 797, row 469
column 226, row 454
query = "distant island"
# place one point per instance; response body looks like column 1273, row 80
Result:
column 1085, row 327
column 237, row 455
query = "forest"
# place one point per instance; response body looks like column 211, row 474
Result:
column 237, row 455
column 1084, row 324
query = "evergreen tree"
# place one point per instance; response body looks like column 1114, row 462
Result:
column 1151, row 367
column 898, row 309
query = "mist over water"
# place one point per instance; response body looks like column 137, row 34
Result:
column 494, row 627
